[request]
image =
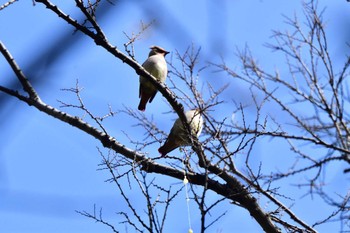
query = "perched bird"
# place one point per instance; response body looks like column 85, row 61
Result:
column 178, row 134
column 156, row 65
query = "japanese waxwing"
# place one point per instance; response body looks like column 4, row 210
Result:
column 156, row 65
column 178, row 135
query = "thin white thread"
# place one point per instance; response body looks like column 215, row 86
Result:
column 185, row 181
column 188, row 205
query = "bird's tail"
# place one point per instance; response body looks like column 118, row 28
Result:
column 142, row 104
column 145, row 97
column 168, row 146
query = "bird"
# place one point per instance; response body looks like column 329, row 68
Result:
column 178, row 134
column 157, row 66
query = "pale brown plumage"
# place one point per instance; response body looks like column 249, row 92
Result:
column 156, row 65
column 178, row 135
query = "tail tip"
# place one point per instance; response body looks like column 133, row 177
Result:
column 141, row 108
column 161, row 152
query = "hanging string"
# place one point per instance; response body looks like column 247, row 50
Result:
column 188, row 204
column 185, row 181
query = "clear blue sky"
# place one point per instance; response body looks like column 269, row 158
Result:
column 49, row 169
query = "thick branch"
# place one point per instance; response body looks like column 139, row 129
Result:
column 21, row 77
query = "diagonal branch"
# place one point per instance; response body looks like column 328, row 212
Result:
column 6, row 4
column 21, row 77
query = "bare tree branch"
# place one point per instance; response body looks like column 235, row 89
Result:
column 212, row 163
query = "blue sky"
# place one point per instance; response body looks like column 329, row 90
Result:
column 49, row 169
